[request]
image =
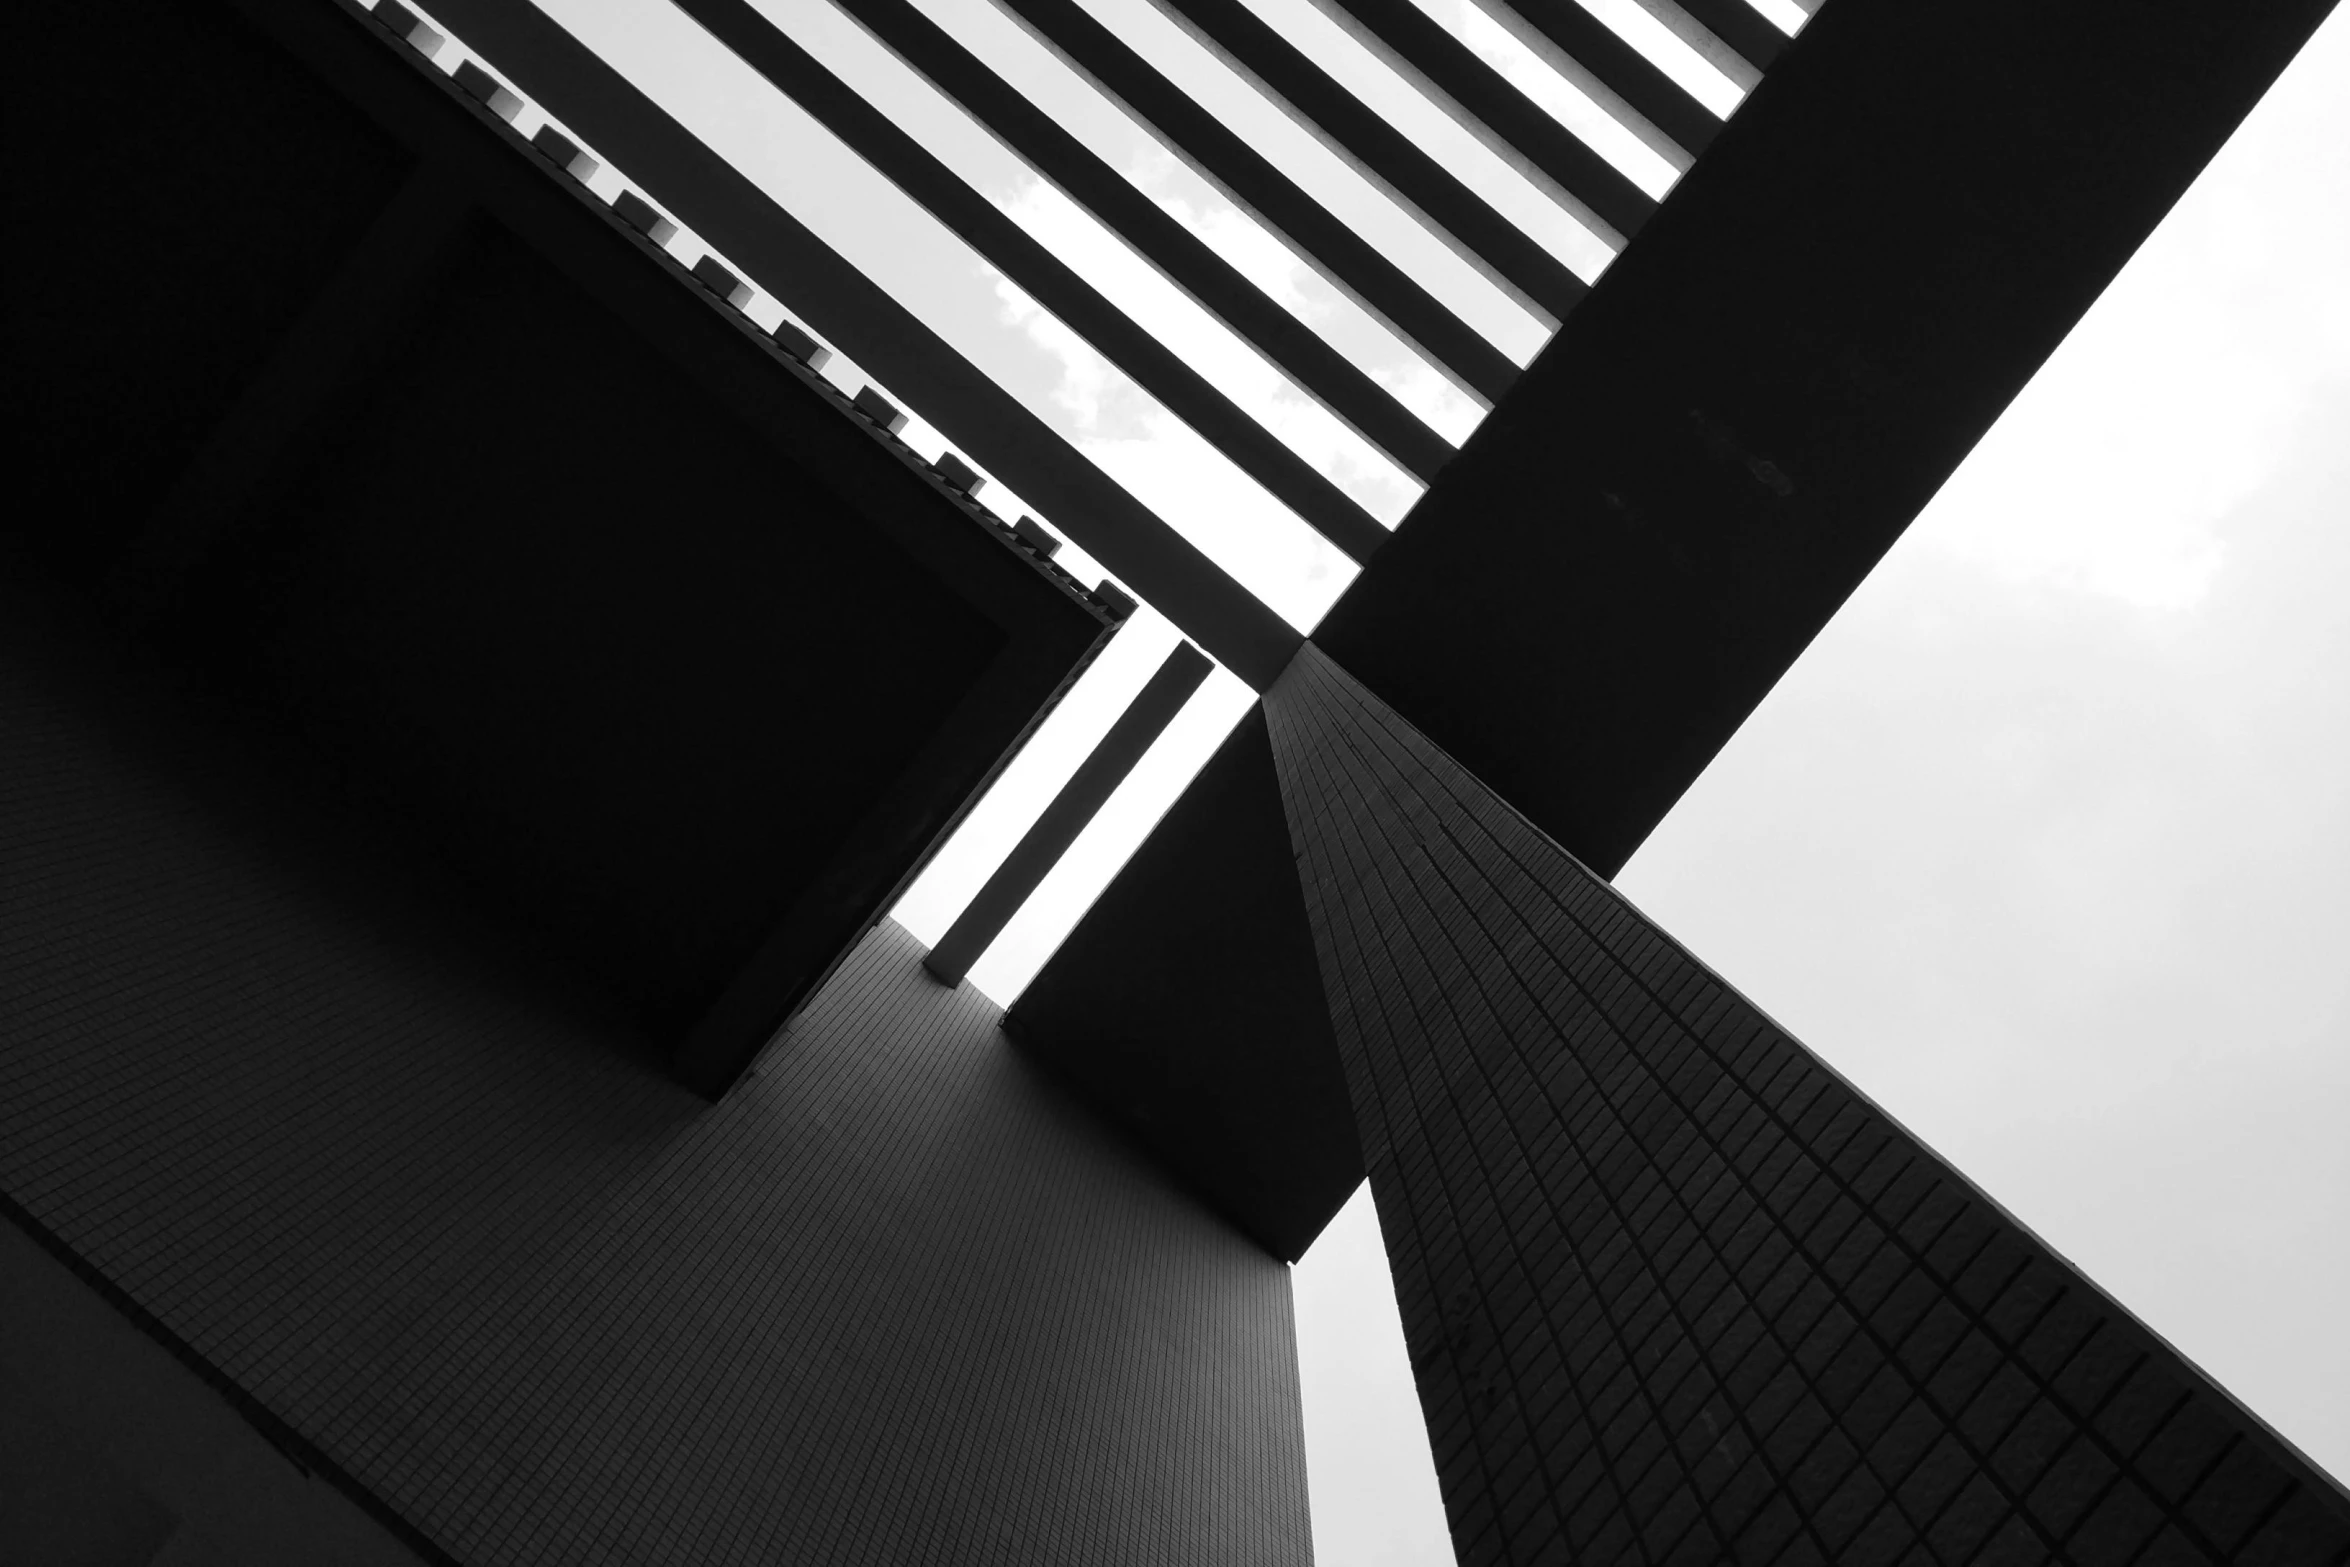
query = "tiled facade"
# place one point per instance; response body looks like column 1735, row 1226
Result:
column 894, row 1301
column 1674, row 1292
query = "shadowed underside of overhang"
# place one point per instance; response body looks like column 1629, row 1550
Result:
column 432, row 479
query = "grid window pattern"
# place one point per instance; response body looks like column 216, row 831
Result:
column 1675, row 1292
column 894, row 1301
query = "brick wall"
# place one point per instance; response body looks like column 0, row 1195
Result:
column 895, row 1300
column 1674, row 1292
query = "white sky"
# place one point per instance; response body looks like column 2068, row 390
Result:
column 2045, row 842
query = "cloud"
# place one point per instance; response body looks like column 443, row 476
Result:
column 1436, row 400
column 1087, row 380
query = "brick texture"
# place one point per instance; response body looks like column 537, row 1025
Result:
column 895, row 1300
column 1673, row 1291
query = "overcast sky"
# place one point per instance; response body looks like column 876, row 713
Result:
column 2045, row 842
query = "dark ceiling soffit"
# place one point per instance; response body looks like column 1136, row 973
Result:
column 339, row 339
column 1041, row 274
column 1052, row 631
column 1882, row 246
column 784, row 258
column 715, row 344
column 897, row 838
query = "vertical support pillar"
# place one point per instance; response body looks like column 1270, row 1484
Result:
column 1673, row 1290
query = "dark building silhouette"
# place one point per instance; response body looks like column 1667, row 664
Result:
column 468, row 699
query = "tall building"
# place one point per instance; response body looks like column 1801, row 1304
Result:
column 471, row 693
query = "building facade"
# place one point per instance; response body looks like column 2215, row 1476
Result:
column 469, row 697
